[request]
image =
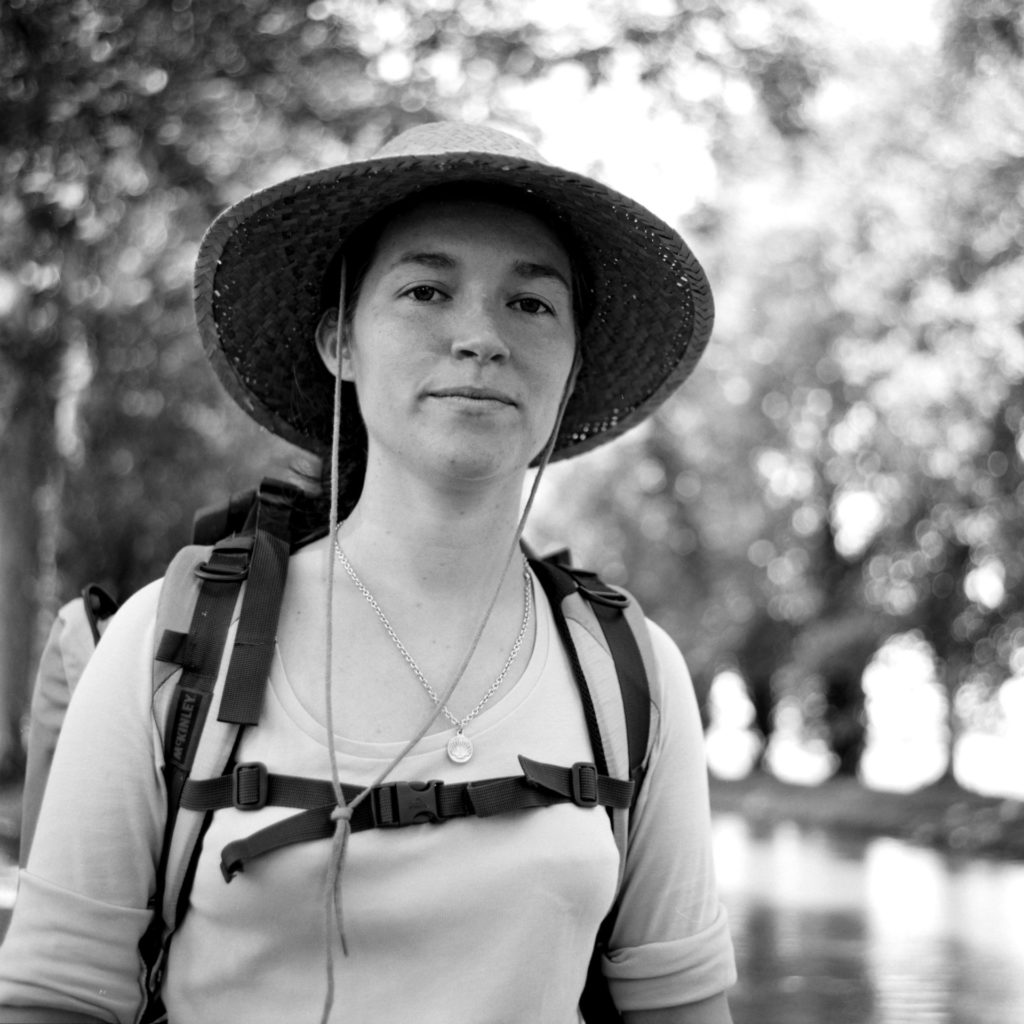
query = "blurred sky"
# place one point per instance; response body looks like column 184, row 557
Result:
column 601, row 131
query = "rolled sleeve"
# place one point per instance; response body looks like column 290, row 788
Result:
column 661, row 974
column 82, row 937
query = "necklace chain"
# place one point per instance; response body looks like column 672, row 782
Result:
column 457, row 723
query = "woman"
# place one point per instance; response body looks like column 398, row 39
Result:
column 452, row 312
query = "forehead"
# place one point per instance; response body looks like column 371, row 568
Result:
column 442, row 224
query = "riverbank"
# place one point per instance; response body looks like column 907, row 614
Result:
column 943, row 815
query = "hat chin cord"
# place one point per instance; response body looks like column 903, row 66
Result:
column 334, row 921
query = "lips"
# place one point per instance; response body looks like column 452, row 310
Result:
column 478, row 394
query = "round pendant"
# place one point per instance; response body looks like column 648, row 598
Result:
column 460, row 748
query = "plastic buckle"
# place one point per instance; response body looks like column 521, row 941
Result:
column 397, row 804
column 249, row 786
column 584, row 784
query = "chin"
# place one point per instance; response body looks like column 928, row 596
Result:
column 481, row 467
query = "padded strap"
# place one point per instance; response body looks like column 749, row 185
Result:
column 559, row 583
column 609, row 607
column 198, row 653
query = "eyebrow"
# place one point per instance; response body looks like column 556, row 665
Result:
column 532, row 271
column 432, row 260
column 525, row 269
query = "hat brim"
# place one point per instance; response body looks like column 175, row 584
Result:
column 262, row 262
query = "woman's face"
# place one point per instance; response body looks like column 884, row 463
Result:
column 462, row 340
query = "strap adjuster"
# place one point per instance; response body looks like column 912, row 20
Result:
column 595, row 590
column 249, row 786
column 397, row 804
column 584, row 784
column 229, row 560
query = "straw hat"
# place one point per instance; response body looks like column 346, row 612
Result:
column 262, row 262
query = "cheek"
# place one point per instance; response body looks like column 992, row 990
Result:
column 364, row 351
column 556, row 369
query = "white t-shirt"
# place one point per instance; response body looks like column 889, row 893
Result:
column 477, row 920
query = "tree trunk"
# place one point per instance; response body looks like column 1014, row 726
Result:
column 845, row 719
column 762, row 698
column 27, row 432
column 949, row 677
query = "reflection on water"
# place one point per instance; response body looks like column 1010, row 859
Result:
column 841, row 931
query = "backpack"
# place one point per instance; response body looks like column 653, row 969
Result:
column 240, row 558
column 73, row 636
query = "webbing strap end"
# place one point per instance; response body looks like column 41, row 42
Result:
column 171, row 648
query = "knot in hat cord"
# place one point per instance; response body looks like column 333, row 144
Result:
column 334, row 921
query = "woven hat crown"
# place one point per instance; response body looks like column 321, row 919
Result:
column 438, row 138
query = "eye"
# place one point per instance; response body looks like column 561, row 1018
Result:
column 532, row 305
column 424, row 293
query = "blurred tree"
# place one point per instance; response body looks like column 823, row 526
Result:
column 860, row 472
column 935, row 249
column 982, row 34
column 123, row 127
column 894, row 417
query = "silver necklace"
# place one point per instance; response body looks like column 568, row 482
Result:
column 460, row 747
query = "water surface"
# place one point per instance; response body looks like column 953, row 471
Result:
column 833, row 930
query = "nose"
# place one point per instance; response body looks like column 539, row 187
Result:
column 479, row 337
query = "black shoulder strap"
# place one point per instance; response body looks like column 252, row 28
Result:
column 215, row 522
column 261, row 604
column 560, row 581
column 259, row 555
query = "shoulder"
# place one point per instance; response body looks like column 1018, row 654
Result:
column 668, row 659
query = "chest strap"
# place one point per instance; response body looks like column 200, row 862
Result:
column 391, row 805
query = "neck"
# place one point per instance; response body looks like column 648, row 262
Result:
column 438, row 540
